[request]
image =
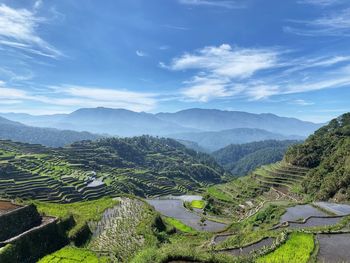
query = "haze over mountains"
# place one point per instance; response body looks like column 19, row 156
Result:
column 211, row 129
column 16, row 131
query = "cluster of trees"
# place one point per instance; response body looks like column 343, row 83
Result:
column 327, row 152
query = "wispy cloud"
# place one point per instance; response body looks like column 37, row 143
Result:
column 18, row 29
column 322, row 3
column 302, row 102
column 140, row 53
column 333, row 24
column 226, row 61
column 215, row 3
column 176, row 27
column 256, row 74
column 81, row 96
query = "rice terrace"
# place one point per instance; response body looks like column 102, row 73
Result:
column 179, row 131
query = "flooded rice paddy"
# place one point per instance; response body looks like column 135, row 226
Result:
column 338, row 209
column 175, row 208
column 334, row 248
column 248, row 249
column 317, row 222
column 300, row 212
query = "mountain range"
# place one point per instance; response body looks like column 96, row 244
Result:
column 211, row 129
column 15, row 131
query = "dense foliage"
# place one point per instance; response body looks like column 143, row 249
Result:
column 241, row 159
column 328, row 153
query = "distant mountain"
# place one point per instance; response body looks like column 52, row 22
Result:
column 127, row 123
column 241, row 159
column 217, row 120
column 15, row 131
column 212, row 141
column 119, row 122
column 327, row 153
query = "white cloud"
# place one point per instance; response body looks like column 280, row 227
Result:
column 226, row 61
column 302, row 102
column 18, row 29
column 215, row 3
column 322, row 3
column 71, row 96
column 203, row 90
column 222, row 72
column 140, row 53
column 333, row 24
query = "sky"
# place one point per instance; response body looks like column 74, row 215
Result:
column 290, row 57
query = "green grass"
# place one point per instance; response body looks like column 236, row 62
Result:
column 215, row 192
column 81, row 211
column 179, row 225
column 72, row 255
column 198, row 204
column 297, row 249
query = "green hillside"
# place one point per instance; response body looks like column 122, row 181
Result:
column 144, row 166
column 241, row 159
column 327, row 153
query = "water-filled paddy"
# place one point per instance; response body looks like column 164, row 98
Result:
column 248, row 249
column 300, row 212
column 174, row 208
column 317, row 222
column 334, row 248
column 338, row 209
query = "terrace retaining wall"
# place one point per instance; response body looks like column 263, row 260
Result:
column 18, row 221
column 34, row 244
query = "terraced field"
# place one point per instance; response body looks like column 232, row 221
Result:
column 117, row 232
column 244, row 196
column 142, row 166
column 280, row 175
column 32, row 172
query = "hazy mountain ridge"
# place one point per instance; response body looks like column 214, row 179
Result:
column 217, row 120
column 128, row 123
column 15, row 131
column 213, row 141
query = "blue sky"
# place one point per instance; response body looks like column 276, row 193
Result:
column 289, row 57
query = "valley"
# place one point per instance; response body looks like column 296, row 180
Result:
column 147, row 199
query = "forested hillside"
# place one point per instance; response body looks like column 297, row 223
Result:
column 241, row 159
column 327, row 152
column 10, row 130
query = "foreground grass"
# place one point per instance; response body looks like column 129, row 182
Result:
column 73, row 254
column 179, row 225
column 81, row 211
column 297, row 249
column 199, row 204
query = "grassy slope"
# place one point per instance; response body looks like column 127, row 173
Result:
column 179, row 225
column 297, row 249
column 72, row 254
column 81, row 211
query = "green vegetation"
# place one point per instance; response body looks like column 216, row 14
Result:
column 297, row 249
column 241, row 159
column 143, row 166
column 83, row 212
column 179, row 225
column 72, row 254
column 199, row 204
column 327, row 154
